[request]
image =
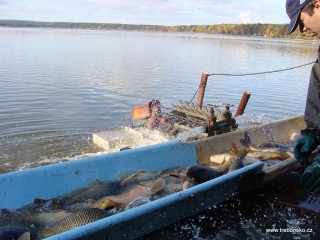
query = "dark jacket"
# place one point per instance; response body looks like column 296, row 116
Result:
column 312, row 110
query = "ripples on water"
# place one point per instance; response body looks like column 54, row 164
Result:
column 59, row 86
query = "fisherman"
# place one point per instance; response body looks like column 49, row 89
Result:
column 306, row 15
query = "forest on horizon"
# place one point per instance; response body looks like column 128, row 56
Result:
column 252, row 29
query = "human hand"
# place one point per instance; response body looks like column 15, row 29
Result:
column 310, row 178
column 304, row 147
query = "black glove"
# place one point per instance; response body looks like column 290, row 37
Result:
column 304, row 147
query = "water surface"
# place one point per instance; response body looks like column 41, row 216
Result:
column 58, row 86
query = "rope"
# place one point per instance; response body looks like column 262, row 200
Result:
column 248, row 74
column 257, row 73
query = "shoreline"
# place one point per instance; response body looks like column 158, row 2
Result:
column 215, row 36
column 259, row 30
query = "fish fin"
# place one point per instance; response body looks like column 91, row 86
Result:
column 240, row 153
column 235, row 149
column 246, row 142
column 125, row 180
column 91, row 201
column 158, row 185
column 25, row 236
column 57, row 210
column 243, row 153
column 109, row 202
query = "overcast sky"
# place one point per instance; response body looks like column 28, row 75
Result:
column 159, row 12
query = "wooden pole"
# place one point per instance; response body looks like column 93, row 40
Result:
column 202, row 89
column 243, row 103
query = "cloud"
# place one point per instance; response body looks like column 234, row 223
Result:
column 3, row 2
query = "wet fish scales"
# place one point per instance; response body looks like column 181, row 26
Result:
column 139, row 177
column 43, row 218
column 174, row 183
column 74, row 220
column 121, row 200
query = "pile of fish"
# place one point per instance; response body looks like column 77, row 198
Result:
column 45, row 218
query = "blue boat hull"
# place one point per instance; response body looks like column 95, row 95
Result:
column 21, row 188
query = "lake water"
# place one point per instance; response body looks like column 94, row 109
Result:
column 58, row 86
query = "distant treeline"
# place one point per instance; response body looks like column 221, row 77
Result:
column 255, row 29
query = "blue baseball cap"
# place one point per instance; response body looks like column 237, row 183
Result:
column 294, row 8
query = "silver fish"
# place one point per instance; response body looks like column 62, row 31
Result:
column 128, row 194
column 139, row 177
column 202, row 174
column 280, row 152
column 237, row 161
column 175, row 182
column 138, row 202
column 234, row 162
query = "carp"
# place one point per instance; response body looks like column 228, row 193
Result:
column 141, row 189
column 202, row 174
column 176, row 180
column 265, row 151
column 95, row 190
column 73, row 220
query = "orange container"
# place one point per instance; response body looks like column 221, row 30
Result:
column 141, row 112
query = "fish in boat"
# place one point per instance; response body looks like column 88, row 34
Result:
column 137, row 177
column 54, row 204
column 202, row 174
column 121, row 200
column 176, row 180
column 138, row 202
column 39, row 218
column 234, row 162
column 266, row 151
column 73, row 220
column 47, row 205
column 96, row 190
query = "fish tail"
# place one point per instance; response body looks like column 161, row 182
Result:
column 240, row 153
column 235, row 149
column 25, row 236
column 246, row 142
